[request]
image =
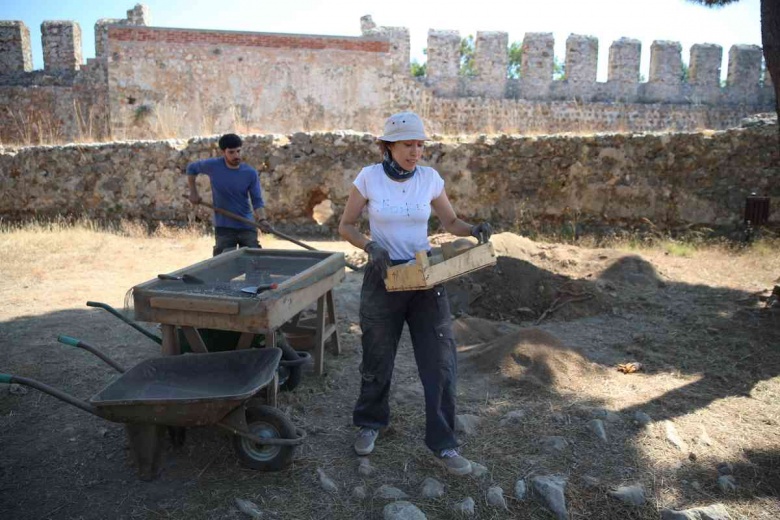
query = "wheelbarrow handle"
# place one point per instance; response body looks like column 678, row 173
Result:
column 73, row 342
column 46, row 389
column 119, row 315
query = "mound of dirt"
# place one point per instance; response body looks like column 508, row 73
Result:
column 469, row 330
column 632, row 270
column 528, row 356
column 520, row 289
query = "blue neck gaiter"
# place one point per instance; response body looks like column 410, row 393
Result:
column 394, row 170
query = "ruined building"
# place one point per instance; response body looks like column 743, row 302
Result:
column 148, row 81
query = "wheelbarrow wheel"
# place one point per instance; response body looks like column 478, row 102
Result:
column 268, row 423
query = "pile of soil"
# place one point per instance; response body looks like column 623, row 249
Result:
column 519, row 356
column 524, row 288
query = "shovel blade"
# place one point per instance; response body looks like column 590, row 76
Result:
column 257, row 289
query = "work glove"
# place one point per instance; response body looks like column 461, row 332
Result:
column 378, row 257
column 482, row 232
column 265, row 226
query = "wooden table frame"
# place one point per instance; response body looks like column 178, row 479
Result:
column 263, row 314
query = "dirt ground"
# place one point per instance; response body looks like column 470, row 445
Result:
column 540, row 333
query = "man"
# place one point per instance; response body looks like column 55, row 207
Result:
column 233, row 184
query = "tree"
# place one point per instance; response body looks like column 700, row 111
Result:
column 418, row 70
column 770, row 41
column 467, row 66
column 515, row 60
column 559, row 69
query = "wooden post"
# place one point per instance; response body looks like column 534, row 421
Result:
column 332, row 322
column 170, row 341
column 245, row 340
column 319, row 337
column 195, row 340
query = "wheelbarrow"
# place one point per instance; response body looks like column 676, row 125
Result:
column 219, row 388
column 290, row 374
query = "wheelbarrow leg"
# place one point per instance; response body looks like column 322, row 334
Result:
column 146, row 442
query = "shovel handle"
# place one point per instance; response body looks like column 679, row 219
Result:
column 279, row 234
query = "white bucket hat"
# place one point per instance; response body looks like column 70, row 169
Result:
column 406, row 126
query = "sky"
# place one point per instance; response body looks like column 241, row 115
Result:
column 607, row 20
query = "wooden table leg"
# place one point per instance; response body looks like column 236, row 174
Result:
column 332, row 321
column 319, row 337
column 245, row 340
column 195, row 340
column 170, row 341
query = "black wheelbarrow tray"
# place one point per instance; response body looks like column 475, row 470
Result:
column 219, row 388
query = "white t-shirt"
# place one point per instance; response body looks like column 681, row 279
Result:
column 398, row 212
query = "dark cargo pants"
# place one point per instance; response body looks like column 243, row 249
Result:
column 227, row 239
column 382, row 317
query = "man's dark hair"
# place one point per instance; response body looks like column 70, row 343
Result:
column 229, row 141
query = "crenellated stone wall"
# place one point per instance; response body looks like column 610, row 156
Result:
column 616, row 179
column 15, row 49
column 61, row 45
column 181, row 82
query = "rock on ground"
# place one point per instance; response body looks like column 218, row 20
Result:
column 465, row 506
column 360, row 492
column 467, row 424
column 727, row 483
column 597, row 427
column 713, row 512
column 365, row 468
column 673, row 437
column 326, row 482
column 477, row 469
column 512, row 418
column 553, row 444
column 390, row 493
column 642, row 419
column 520, row 489
column 402, row 511
column 551, row 489
column 495, row 497
column 248, row 508
column 431, row 488
column 631, row 495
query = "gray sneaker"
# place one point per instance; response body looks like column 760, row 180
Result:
column 364, row 443
column 455, row 463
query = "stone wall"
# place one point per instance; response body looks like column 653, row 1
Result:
column 15, row 49
column 232, row 79
column 147, row 81
column 670, row 179
column 61, row 45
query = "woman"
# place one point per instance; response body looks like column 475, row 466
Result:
column 399, row 195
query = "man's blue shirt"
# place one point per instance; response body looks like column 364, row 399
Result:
column 231, row 189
